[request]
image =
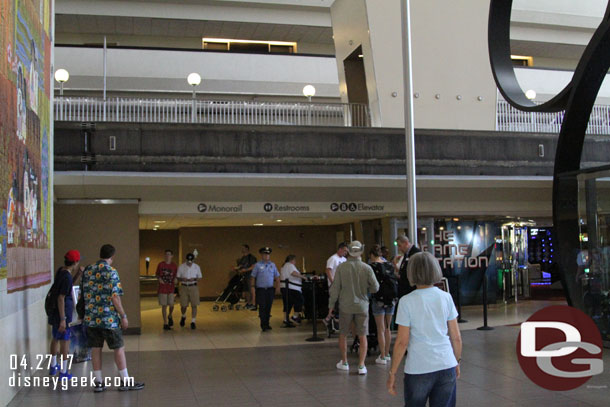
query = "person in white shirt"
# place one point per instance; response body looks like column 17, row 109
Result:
column 292, row 295
column 188, row 275
column 331, row 268
column 428, row 329
column 333, row 262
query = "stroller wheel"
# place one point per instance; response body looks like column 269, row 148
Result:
column 237, row 307
column 223, row 308
column 215, row 308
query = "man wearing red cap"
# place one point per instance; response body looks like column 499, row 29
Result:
column 61, row 315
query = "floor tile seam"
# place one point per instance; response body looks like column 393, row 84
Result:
column 495, row 372
column 188, row 379
column 579, row 401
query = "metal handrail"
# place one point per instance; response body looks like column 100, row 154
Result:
column 510, row 119
column 119, row 109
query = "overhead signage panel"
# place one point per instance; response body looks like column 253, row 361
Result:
column 228, row 208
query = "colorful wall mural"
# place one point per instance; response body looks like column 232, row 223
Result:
column 25, row 131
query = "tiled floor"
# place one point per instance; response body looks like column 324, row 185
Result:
column 228, row 362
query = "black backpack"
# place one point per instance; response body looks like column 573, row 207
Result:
column 388, row 283
column 50, row 302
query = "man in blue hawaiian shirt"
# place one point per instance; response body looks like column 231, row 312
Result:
column 105, row 317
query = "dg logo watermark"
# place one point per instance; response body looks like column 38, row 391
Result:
column 560, row 348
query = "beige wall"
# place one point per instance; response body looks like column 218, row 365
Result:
column 87, row 227
column 153, row 244
column 450, row 59
column 219, row 248
column 24, row 333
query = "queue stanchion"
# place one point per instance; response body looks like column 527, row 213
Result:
column 314, row 317
column 287, row 323
column 485, row 327
column 459, row 301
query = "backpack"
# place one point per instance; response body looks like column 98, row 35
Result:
column 388, row 283
column 50, row 302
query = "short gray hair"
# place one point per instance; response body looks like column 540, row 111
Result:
column 423, row 269
column 403, row 239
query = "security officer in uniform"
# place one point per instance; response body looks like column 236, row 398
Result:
column 265, row 283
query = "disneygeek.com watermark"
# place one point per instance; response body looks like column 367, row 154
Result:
column 56, row 382
column 24, row 373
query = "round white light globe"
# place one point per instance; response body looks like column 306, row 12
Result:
column 309, row 91
column 193, row 79
column 61, row 75
column 530, row 94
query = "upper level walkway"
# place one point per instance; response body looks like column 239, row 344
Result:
column 247, row 112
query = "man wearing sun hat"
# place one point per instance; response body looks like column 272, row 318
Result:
column 60, row 316
column 354, row 280
column 266, row 279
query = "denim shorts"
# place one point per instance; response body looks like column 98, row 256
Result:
column 379, row 308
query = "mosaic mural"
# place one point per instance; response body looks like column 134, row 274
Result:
column 25, row 131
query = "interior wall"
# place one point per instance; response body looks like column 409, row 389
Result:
column 219, row 248
column 449, row 54
column 26, row 195
column 153, row 244
column 86, row 227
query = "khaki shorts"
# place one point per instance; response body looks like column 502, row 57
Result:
column 189, row 294
column 166, row 299
column 361, row 323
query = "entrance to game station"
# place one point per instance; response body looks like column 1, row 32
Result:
column 512, row 260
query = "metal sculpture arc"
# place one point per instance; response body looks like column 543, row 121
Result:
column 577, row 99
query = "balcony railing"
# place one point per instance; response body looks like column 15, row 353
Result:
column 117, row 109
column 510, row 119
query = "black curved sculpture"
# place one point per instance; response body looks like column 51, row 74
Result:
column 577, row 99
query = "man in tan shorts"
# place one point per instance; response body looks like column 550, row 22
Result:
column 354, row 280
column 166, row 275
column 188, row 275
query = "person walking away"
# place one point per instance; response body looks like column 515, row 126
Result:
column 428, row 329
column 354, row 280
column 383, row 303
column 105, row 317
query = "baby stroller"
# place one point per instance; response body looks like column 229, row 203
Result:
column 231, row 294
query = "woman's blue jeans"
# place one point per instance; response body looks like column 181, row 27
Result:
column 438, row 387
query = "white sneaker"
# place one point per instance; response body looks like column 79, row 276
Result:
column 343, row 366
column 381, row 360
column 362, row 370
column 388, row 358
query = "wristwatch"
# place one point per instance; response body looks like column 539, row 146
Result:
column 124, row 316
column 64, row 318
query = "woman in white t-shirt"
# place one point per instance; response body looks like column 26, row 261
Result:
column 427, row 326
column 292, row 295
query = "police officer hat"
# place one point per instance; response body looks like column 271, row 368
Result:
column 265, row 250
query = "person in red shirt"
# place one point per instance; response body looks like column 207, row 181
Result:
column 166, row 274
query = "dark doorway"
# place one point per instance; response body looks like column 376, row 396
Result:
column 355, row 79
